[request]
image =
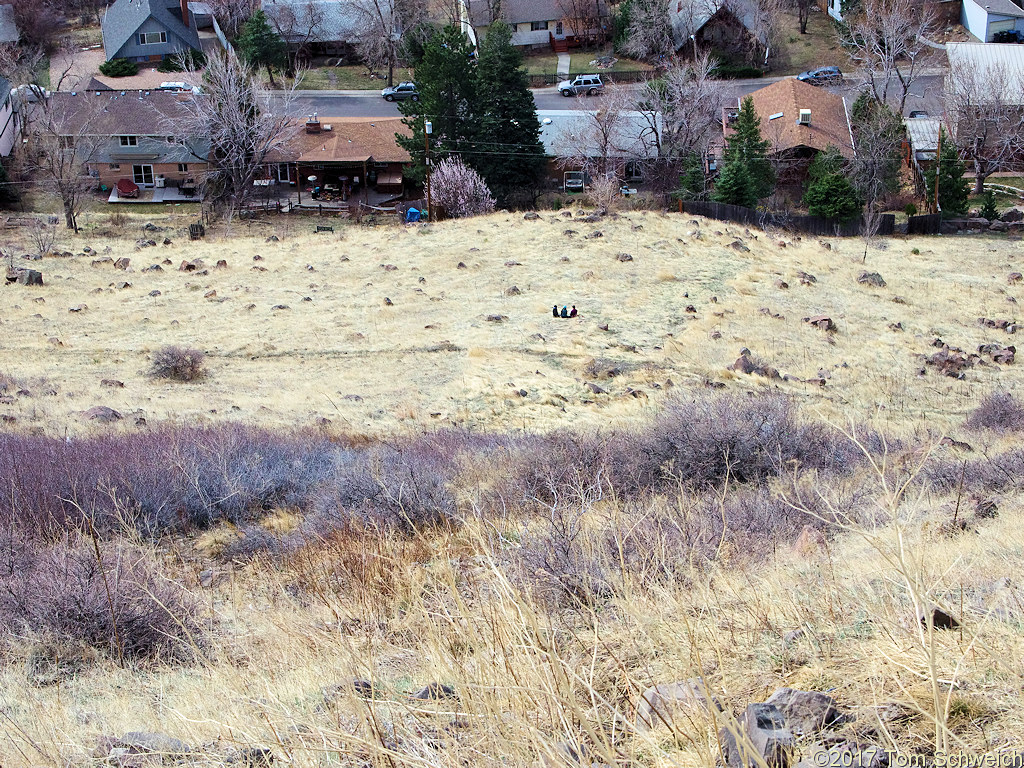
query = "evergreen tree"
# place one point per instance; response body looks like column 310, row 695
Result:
column 259, row 45
column 692, row 179
column 949, row 175
column 746, row 147
column 735, row 186
column 989, row 210
column 507, row 150
column 829, row 192
column 445, row 81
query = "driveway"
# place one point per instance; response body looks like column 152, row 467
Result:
column 85, row 65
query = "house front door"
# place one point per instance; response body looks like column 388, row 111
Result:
column 142, row 175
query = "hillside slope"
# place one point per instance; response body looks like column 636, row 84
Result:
column 306, row 331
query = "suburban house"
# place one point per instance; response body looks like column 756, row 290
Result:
column 8, row 119
column 922, row 146
column 994, row 20
column 799, row 121
column 726, row 26
column 8, row 29
column 582, row 143
column 152, row 30
column 340, row 160
column 326, row 27
column 554, row 24
column 133, row 138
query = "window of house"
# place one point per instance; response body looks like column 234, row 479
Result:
column 182, row 167
column 536, row 26
column 114, row 167
column 634, row 170
column 152, row 38
column 558, row 28
column 129, row 141
column 142, row 174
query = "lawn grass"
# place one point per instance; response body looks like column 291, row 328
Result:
column 540, row 63
column 818, row 48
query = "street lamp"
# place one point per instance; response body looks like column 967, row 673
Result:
column 694, row 38
column 428, row 128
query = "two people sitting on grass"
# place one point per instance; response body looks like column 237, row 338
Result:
column 566, row 312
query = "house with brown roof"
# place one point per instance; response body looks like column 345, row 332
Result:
column 341, row 159
column 799, row 121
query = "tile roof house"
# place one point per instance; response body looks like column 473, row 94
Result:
column 986, row 18
column 149, row 30
column 557, row 24
column 799, row 120
column 8, row 29
column 138, row 140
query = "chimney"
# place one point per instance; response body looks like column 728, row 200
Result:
column 184, row 12
column 805, row 117
column 313, row 124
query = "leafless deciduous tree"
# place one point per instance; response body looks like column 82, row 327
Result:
column 232, row 14
column 682, row 112
column 649, row 35
column 244, row 125
column 62, row 140
column 585, row 19
column 299, row 25
column 803, row 13
column 886, row 41
column 39, row 22
column 380, row 29
column 987, row 125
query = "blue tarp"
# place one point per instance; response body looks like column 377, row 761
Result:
column 413, row 214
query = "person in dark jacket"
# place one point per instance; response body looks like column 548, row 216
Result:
column 565, row 312
column 554, row 311
column 572, row 312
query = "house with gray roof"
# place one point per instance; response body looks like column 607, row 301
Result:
column 8, row 119
column 985, row 19
column 8, row 29
column 325, row 26
column 537, row 24
column 149, row 30
column 728, row 26
column 138, row 140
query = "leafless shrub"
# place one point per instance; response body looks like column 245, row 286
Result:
column 178, row 364
column 1000, row 412
column 43, row 236
column 113, row 600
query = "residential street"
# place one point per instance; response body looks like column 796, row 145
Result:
column 926, row 94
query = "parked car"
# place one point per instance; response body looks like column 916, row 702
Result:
column 918, row 113
column 401, row 92
column 588, row 84
column 822, row 76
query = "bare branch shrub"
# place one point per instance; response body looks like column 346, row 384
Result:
column 1000, row 412
column 178, row 364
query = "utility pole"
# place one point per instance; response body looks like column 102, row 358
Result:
column 427, row 130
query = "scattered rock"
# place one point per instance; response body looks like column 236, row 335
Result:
column 388, row 302
column 624, row 257
column 570, row 232
column 898, row 327
column 661, row 703
column 79, row 308
column 496, row 318
column 102, row 262
column 940, row 620
column 153, row 268
column 738, row 245
column 743, row 364
column 461, row 265
column 594, row 235
column 793, row 636
column 871, row 278
column 1014, row 277
column 222, row 264
column 123, row 263
column 257, row 257
column 595, row 389
column 102, row 414
column 810, row 542
column 272, row 239
column 154, row 293
column 29, row 277
column 822, row 322
column 513, row 291
column 122, row 285
column 210, row 295
column 766, row 735
column 192, row 266
column 805, row 712
column 144, row 743
column 781, row 284
column 280, row 306
column 806, row 278
column 113, row 383
column 436, row 692
column 389, row 267
column 168, row 241
column 531, row 215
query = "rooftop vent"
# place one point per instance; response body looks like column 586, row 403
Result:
column 776, row 116
column 805, row 117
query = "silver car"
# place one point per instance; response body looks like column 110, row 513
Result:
column 401, row 92
column 588, row 84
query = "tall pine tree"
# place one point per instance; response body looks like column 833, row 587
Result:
column 746, row 148
column 446, row 84
column 735, row 186
column 949, row 174
column 260, row 46
column 507, row 150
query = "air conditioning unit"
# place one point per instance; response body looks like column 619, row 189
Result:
column 805, row 117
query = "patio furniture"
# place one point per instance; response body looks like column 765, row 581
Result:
column 127, row 188
column 188, row 187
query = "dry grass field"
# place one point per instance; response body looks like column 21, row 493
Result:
column 395, row 341
column 430, row 358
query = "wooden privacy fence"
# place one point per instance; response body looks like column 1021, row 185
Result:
column 811, row 225
column 927, row 224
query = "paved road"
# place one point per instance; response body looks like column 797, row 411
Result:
column 926, row 94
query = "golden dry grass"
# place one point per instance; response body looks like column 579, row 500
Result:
column 433, row 359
